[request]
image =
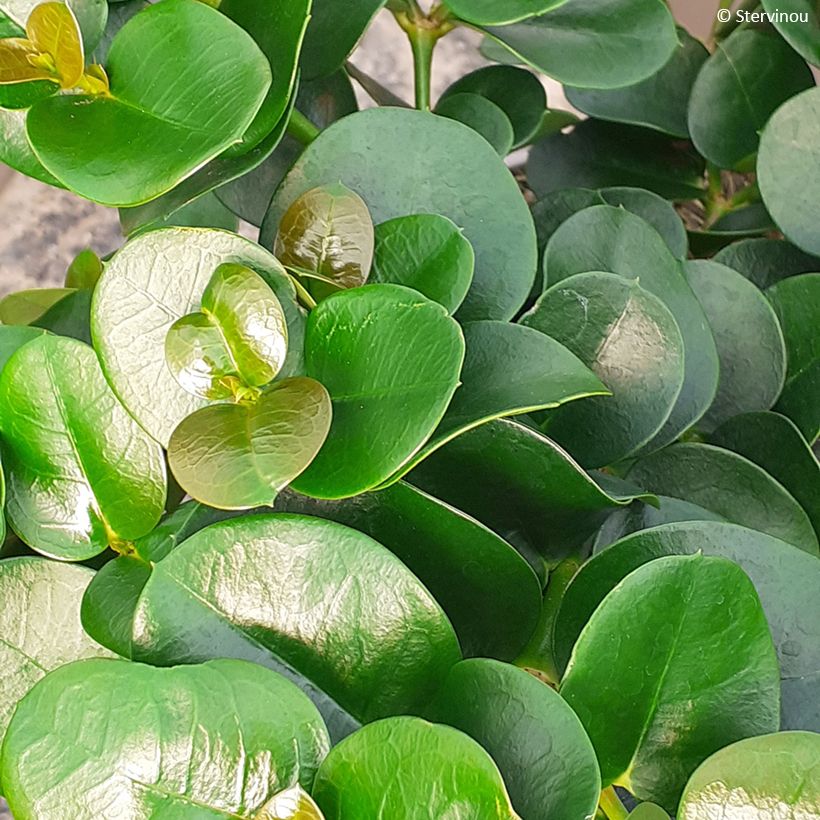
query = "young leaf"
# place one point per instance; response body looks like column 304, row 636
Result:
column 632, row 343
column 253, row 734
column 206, row 211
column 483, row 116
column 383, row 153
column 406, row 767
column 239, row 456
column 84, row 271
column 748, row 337
column 60, row 419
column 426, row 252
column 363, row 346
column 53, row 31
column 516, row 717
column 755, row 775
column 91, row 15
column 652, row 680
column 15, row 150
column 16, row 55
column 803, row 37
column 766, row 261
column 376, row 642
column 292, row 804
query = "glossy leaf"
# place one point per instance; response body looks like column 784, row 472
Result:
column 406, row 767
column 660, row 102
column 766, row 261
column 70, row 316
column 84, row 271
column 376, row 642
column 500, row 12
column 488, row 591
column 90, row 14
column 239, row 456
column 796, row 302
column 785, row 579
column 327, row 231
column 652, row 683
column 155, row 279
column 426, row 252
column 757, row 776
column 483, row 116
column 16, row 64
column 185, row 118
column 748, row 337
column 152, row 758
column 471, row 186
column 791, row 190
column 15, row 150
column 803, row 36
column 594, row 43
column 516, row 91
column 520, row 484
column 632, row 343
column 362, row 345
column 729, row 485
column 59, row 419
column 536, row 740
column 620, row 242
column 40, row 622
column 52, row 29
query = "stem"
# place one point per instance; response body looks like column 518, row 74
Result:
column 301, row 128
column 423, row 43
column 611, row 805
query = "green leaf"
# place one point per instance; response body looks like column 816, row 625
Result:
column 766, row 261
column 483, row 116
column 15, row 150
column 499, row 12
column 13, row 337
column 362, row 345
column 632, row 343
column 375, row 644
column 652, row 681
column 791, row 190
column 803, row 37
column 774, row 443
column 119, row 13
column 153, row 280
column 322, row 101
column 520, row 484
column 731, row 486
column 53, row 29
column 748, row 337
column 40, row 623
column 426, row 252
column 785, row 578
column 293, row 804
column 599, row 154
column 91, row 16
column 205, row 211
column 239, row 456
column 471, row 185
column 406, row 767
column 84, row 271
column 648, row 811
column 796, row 301
column 185, row 118
column 517, row 718
column 488, row 591
column 739, row 87
column 615, row 240
column 755, row 776
column 229, row 734
column 516, row 91
column 659, row 102
column 70, row 316
column 60, row 419
column 26, row 306
column 327, row 231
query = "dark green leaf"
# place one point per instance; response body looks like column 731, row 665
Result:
column 652, row 681
column 204, row 212
column 70, row 316
column 648, row 811
column 499, row 12
column 483, row 116
column 802, row 35
column 766, row 261
column 471, row 186
column 15, row 150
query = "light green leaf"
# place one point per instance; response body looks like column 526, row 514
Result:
column 84, row 271
column 26, row 306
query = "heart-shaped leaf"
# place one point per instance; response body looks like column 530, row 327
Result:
column 799, row 22
column 471, row 186
column 483, row 116
column 152, row 281
column 618, row 241
column 239, row 456
column 40, row 622
column 185, row 117
column 406, row 767
column 752, row 776
column 516, row 717
column 739, row 87
column 363, row 346
column 489, row 592
column 791, row 190
column 729, row 485
column 426, row 252
column 327, row 231
column 748, row 337
column 84, row 271
column 766, row 261
column 59, row 419
column 632, row 343
column 659, row 102
column 663, row 694
column 273, row 738
column 785, row 579
column 500, row 12
column 90, row 14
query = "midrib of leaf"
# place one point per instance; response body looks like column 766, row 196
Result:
column 24, row 654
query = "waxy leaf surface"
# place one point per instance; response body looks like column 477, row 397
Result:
column 91, row 16
column 766, row 261
column 483, row 116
